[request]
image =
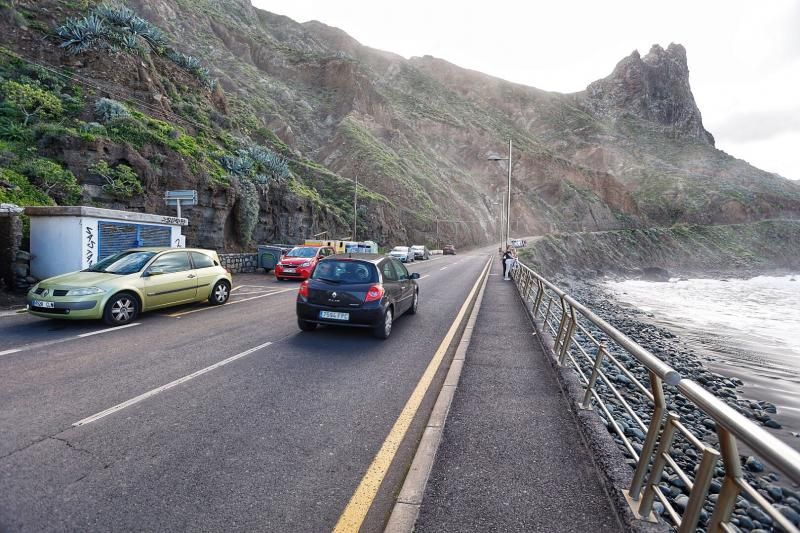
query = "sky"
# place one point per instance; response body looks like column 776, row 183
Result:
column 744, row 56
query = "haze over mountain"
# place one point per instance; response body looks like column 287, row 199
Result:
column 629, row 151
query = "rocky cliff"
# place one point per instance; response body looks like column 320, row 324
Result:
column 225, row 83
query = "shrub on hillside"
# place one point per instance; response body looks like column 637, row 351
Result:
column 17, row 189
column 31, row 101
column 106, row 110
column 121, row 181
column 54, row 180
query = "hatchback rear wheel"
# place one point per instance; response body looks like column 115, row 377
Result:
column 220, row 293
column 384, row 329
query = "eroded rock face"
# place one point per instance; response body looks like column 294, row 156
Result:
column 654, row 87
column 630, row 151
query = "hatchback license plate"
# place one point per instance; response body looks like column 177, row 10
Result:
column 289, row 270
column 46, row 305
column 334, row 315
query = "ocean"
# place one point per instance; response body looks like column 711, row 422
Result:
column 745, row 328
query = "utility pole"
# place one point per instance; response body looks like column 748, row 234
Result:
column 508, row 205
column 355, row 209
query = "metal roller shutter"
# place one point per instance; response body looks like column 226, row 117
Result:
column 114, row 237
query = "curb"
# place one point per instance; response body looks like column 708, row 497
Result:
column 406, row 509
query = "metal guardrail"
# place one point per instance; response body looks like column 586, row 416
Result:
column 566, row 319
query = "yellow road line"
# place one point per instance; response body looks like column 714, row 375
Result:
column 176, row 315
column 353, row 515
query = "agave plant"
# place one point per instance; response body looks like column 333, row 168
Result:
column 80, row 35
column 271, row 162
column 150, row 33
column 238, row 165
column 131, row 43
column 118, row 16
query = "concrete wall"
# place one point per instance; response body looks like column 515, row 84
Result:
column 12, row 271
column 239, row 263
column 56, row 246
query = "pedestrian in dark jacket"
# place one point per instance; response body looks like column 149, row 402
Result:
column 509, row 256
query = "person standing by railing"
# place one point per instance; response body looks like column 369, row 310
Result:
column 509, row 256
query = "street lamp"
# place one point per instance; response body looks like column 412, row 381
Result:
column 508, row 201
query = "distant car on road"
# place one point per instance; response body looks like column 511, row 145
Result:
column 449, row 249
column 421, row 252
column 120, row 287
column 300, row 262
column 360, row 290
column 403, row 253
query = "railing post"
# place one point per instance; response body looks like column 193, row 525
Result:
column 659, row 406
column 561, row 327
column 598, row 360
column 730, row 487
column 702, row 481
column 539, row 296
column 649, row 494
column 567, row 337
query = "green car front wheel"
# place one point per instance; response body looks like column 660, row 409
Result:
column 121, row 309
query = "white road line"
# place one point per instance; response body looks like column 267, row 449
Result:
column 13, row 313
column 425, row 276
column 108, row 330
column 443, row 268
column 65, row 339
column 176, row 315
column 169, row 385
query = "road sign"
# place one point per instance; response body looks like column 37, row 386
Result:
column 185, row 197
column 178, row 198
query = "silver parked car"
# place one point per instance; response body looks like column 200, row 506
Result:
column 421, row 252
column 403, row 253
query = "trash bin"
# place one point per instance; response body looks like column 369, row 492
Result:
column 268, row 257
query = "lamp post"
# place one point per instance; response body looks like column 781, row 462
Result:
column 355, row 207
column 508, row 200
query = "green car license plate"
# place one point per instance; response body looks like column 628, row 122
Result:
column 45, row 305
column 333, row 315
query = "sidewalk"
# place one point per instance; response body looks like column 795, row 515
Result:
column 511, row 456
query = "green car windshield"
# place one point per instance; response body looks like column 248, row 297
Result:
column 122, row 263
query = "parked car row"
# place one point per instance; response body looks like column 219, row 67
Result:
column 353, row 289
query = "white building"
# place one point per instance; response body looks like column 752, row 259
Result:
column 69, row 238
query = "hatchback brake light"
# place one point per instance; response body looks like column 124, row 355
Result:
column 303, row 291
column 374, row 293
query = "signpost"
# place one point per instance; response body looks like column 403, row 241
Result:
column 177, row 198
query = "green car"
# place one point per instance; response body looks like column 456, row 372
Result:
column 119, row 287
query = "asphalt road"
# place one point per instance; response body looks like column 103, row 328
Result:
column 276, row 438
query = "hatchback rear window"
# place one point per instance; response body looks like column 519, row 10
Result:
column 346, row 271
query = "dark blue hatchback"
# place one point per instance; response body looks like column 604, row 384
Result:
column 357, row 290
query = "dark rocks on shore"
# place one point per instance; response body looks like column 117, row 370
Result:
column 655, row 274
column 747, row 516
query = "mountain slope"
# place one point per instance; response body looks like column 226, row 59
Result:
column 630, row 151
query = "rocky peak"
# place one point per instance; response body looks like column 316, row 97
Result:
column 655, row 88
